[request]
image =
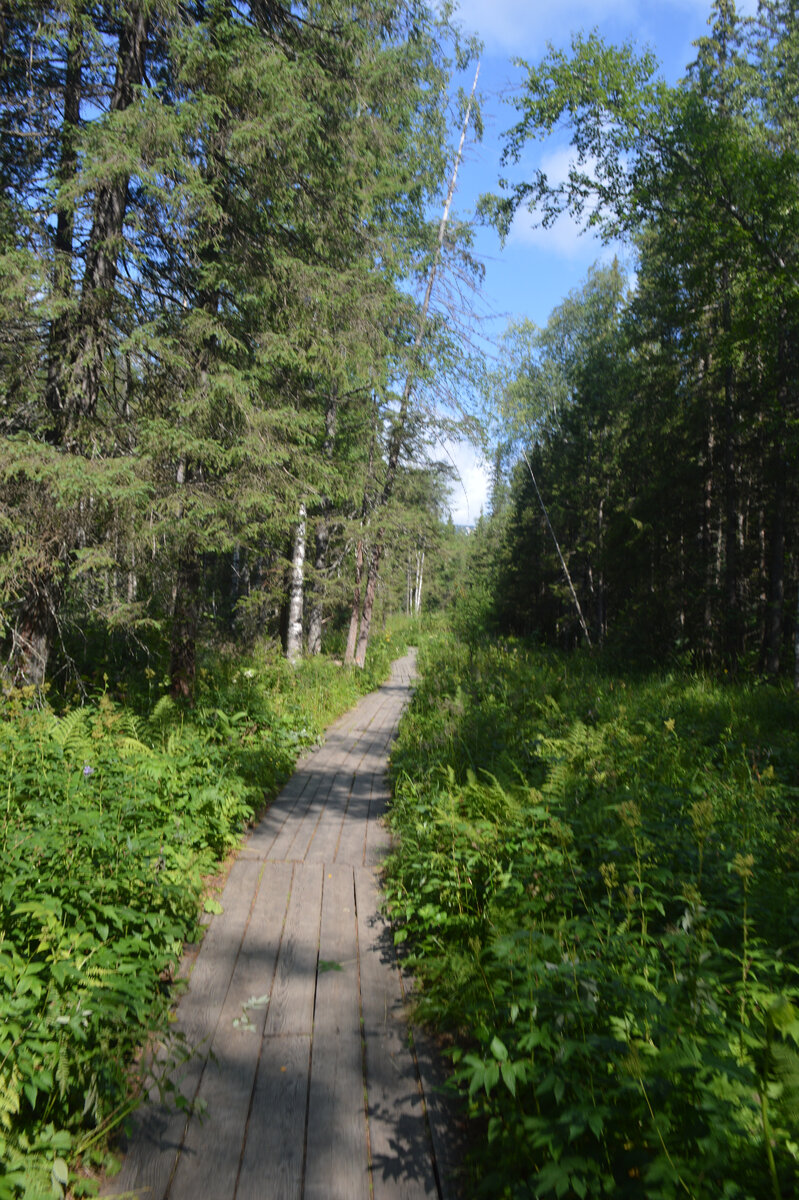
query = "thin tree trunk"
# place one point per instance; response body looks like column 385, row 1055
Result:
column 294, row 631
column 322, row 542
column 322, row 537
column 355, row 615
column 398, row 433
column 369, row 603
column 776, row 593
column 732, row 636
column 561, row 559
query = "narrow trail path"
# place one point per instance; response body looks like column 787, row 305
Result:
column 311, row 1085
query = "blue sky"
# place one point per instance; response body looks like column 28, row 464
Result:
column 536, row 268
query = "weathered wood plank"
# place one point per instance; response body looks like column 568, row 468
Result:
column 272, row 1162
column 352, row 843
column 324, row 841
column 401, row 1149
column 297, row 833
column 378, row 837
column 291, row 1005
column 268, row 829
column 229, row 1076
column 158, row 1130
column 443, row 1115
column 337, row 1165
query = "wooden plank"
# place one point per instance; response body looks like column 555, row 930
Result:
column 337, row 1166
column 352, row 843
column 401, row 1149
column 263, row 836
column 378, row 837
column 272, row 1162
column 158, row 1130
column 322, row 846
column 291, row 1005
column 208, row 1165
column 445, row 1116
column 297, row 833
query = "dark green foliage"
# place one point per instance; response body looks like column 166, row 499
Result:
column 598, row 886
column 663, row 442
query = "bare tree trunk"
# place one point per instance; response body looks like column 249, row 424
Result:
column 776, row 593
column 398, row 433
column 355, row 615
column 368, row 603
column 294, row 631
column 322, row 538
column 34, row 632
column 561, row 559
column 796, row 645
column 417, row 599
column 775, row 615
column 732, row 635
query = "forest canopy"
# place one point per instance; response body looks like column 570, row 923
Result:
column 658, row 416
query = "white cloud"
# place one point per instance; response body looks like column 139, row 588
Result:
column 523, row 26
column 565, row 236
column 469, row 496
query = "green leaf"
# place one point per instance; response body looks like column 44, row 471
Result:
column 499, row 1049
column 509, row 1077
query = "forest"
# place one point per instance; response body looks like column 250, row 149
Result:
column 235, row 334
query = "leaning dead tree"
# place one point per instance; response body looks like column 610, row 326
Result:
column 399, row 429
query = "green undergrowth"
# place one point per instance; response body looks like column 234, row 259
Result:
column 597, row 885
column 109, row 820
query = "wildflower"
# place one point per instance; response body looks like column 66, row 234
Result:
column 248, row 673
column 87, row 770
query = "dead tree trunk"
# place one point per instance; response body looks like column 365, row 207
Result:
column 398, row 433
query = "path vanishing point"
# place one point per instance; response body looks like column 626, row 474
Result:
column 310, row 1082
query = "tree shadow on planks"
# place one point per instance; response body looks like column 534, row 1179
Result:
column 445, row 1120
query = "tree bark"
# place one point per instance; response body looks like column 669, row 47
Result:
column 34, row 631
column 369, row 602
column 322, row 538
column 294, row 631
column 398, row 432
column 776, row 590
column 355, row 614
column 732, row 636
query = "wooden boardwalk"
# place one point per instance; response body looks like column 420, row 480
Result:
column 308, row 1081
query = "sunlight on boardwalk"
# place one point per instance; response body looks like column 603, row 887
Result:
column 311, row 1088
